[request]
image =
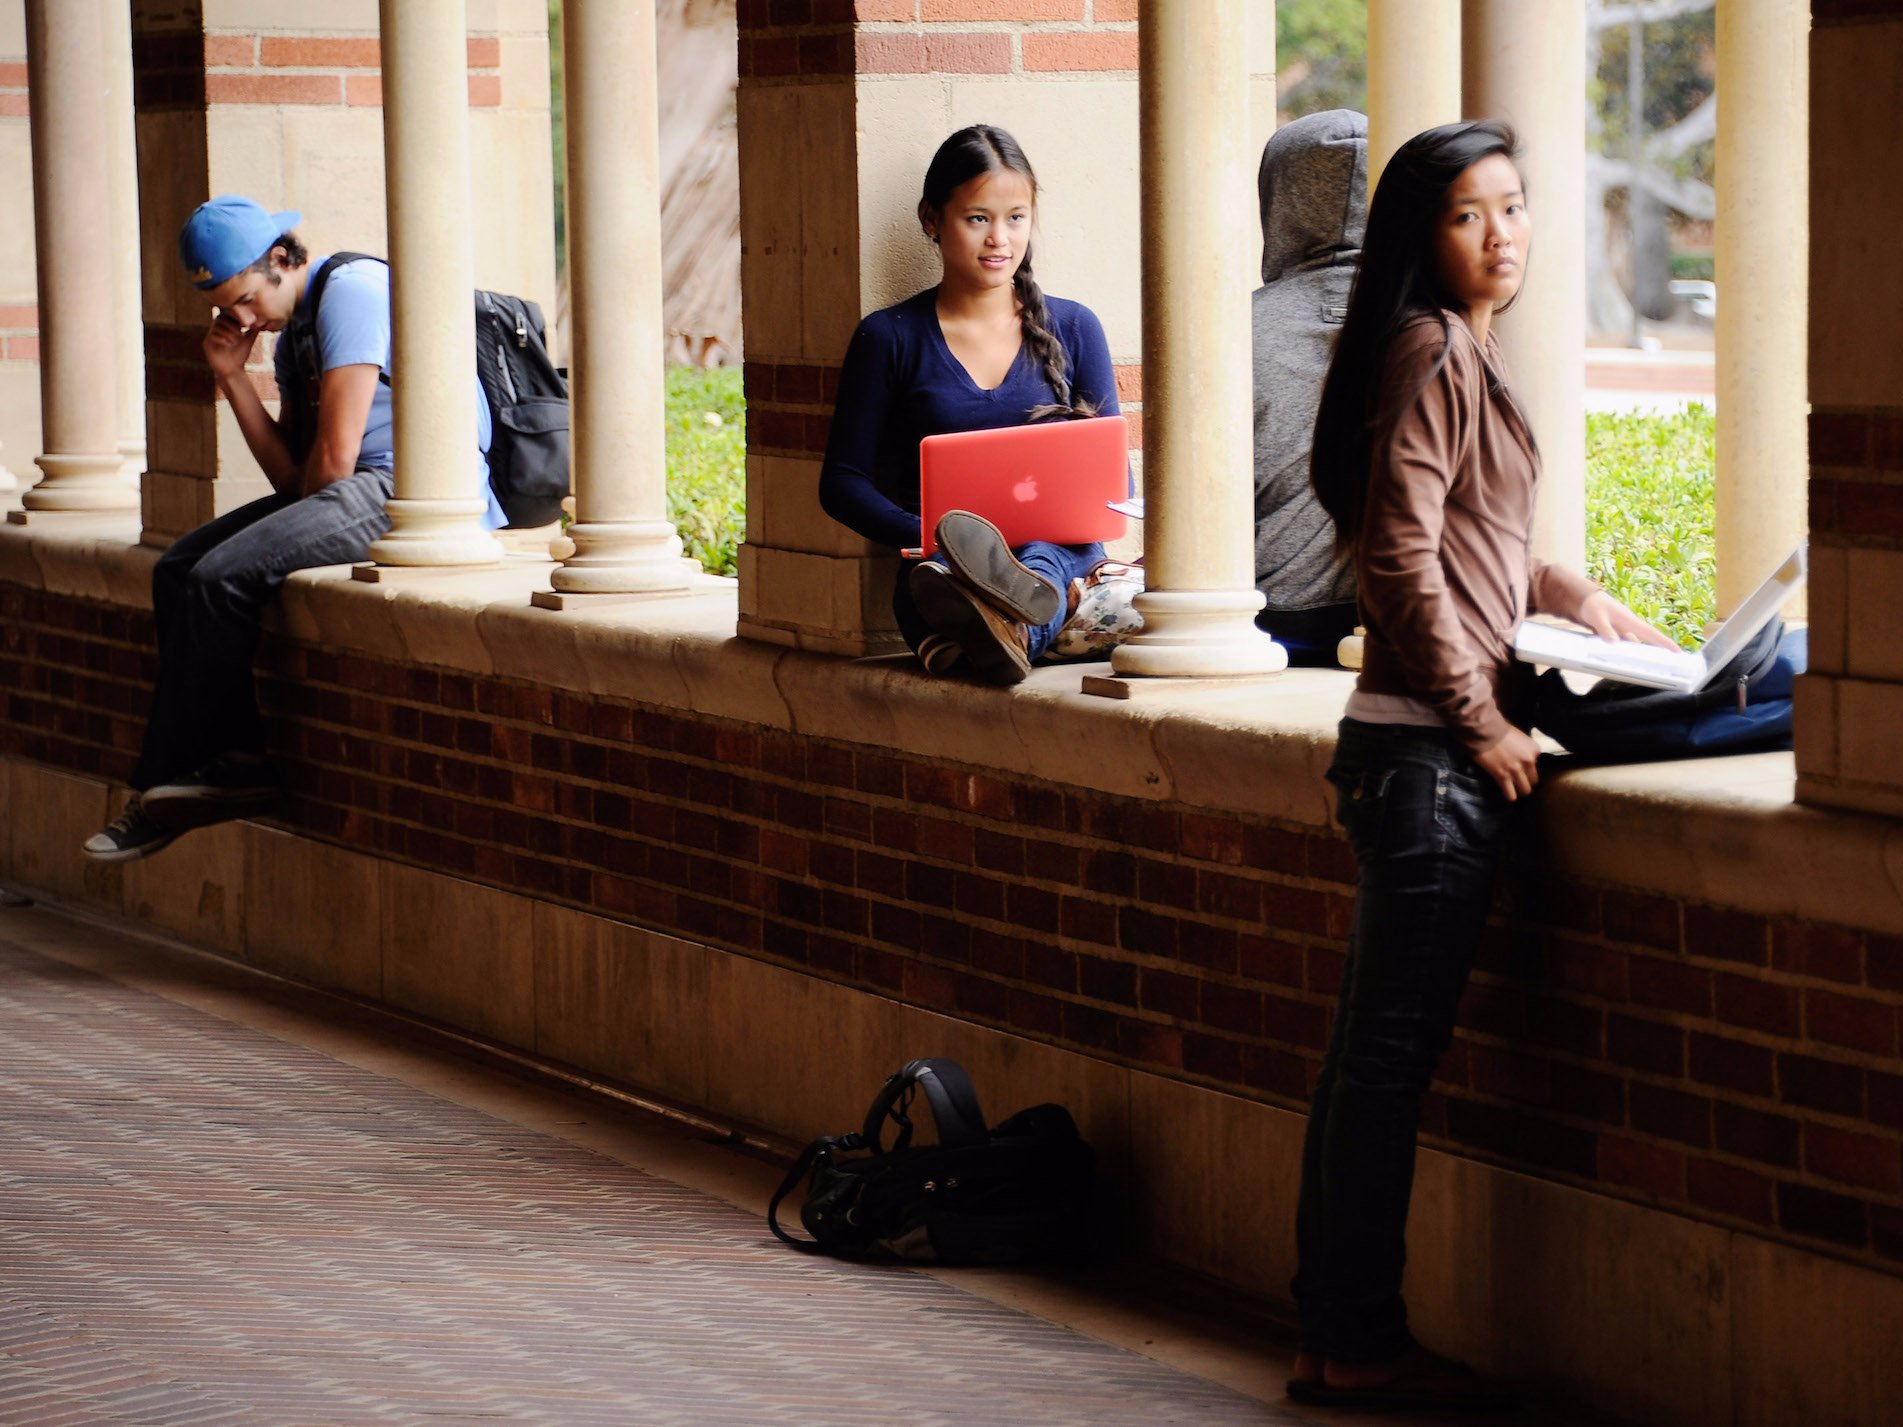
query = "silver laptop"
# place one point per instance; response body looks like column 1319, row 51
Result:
column 1684, row 670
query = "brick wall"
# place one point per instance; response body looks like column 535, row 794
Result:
column 1733, row 1068
column 19, row 332
column 13, row 90
column 190, row 69
column 1850, row 706
column 794, row 41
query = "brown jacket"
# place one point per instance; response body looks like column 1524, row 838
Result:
column 1445, row 577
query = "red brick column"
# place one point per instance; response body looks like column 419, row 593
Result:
column 1851, row 705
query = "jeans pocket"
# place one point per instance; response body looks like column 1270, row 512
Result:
column 1471, row 809
column 1361, row 799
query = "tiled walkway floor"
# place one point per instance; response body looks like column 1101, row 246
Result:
column 219, row 1207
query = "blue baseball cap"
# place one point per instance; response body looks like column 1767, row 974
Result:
column 226, row 236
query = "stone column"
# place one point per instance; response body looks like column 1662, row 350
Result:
column 436, row 514
column 1526, row 64
column 1413, row 73
column 70, row 73
column 1199, row 251
column 624, row 542
column 122, row 163
column 1762, row 242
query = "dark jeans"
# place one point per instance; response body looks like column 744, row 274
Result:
column 1425, row 824
column 208, row 595
column 1060, row 564
column 1310, row 635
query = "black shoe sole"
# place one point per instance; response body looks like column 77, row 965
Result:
column 953, row 610
column 974, row 549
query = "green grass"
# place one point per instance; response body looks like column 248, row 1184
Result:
column 1649, row 512
column 707, row 463
column 1648, row 496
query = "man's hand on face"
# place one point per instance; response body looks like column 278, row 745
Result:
column 228, row 345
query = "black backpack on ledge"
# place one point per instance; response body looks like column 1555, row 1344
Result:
column 1010, row 1194
column 527, row 397
column 1745, row 708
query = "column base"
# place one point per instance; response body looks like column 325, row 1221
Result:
column 132, row 461
column 625, row 557
column 80, row 482
column 691, row 578
column 436, row 532
column 1199, row 634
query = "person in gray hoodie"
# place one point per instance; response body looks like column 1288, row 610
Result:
column 1313, row 185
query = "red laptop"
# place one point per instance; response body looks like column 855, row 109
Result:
column 1050, row 480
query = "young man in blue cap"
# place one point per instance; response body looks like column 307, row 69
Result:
column 329, row 457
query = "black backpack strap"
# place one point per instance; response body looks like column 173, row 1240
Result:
column 947, row 1090
column 793, row 1176
column 304, row 321
column 300, row 403
column 889, row 1104
column 954, row 1103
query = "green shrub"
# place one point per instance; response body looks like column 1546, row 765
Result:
column 1649, row 512
column 707, row 463
column 1693, row 265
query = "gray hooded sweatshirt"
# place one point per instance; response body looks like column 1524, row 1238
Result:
column 1314, row 190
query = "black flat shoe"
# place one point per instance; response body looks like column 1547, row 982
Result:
column 976, row 552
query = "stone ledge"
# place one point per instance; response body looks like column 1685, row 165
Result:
column 1720, row 830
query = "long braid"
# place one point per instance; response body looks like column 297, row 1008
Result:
column 1041, row 339
column 1042, row 342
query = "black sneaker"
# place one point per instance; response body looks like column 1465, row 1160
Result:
column 129, row 836
column 232, row 785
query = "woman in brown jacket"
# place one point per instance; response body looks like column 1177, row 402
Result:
column 1429, row 469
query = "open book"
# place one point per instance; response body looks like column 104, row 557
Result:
column 1684, row 670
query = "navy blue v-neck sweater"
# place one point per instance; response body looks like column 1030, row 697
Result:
column 901, row 383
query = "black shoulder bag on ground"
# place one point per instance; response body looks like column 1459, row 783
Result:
column 1017, row 1192
column 528, row 400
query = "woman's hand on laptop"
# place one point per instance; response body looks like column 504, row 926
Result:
column 1609, row 619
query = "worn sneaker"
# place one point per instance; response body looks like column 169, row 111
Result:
column 232, row 785
column 129, row 836
column 995, row 646
column 977, row 554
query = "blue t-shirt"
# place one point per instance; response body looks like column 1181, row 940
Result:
column 353, row 329
column 901, row 383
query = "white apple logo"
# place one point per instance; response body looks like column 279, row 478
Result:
column 1025, row 490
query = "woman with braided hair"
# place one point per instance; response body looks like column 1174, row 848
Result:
column 984, row 348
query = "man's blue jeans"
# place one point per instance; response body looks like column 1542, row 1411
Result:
column 1425, row 824
column 208, row 595
column 1060, row 564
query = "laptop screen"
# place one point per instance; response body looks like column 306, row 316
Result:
column 1756, row 611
